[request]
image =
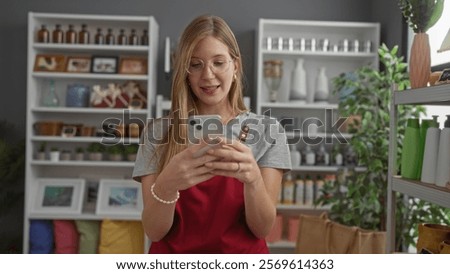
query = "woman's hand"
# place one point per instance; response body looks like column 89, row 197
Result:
column 237, row 161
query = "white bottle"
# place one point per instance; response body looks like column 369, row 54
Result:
column 296, row 157
column 442, row 170
column 310, row 156
column 309, row 191
column 298, row 82
column 430, row 155
column 322, row 92
column 288, row 190
column 299, row 191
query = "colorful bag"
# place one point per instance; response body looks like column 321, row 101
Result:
column 319, row 235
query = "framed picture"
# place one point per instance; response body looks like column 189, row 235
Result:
column 78, row 64
column 133, row 65
column 119, row 197
column 104, row 64
column 59, row 195
column 52, row 63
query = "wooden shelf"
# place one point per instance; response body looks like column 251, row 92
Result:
column 423, row 191
column 92, row 164
column 97, row 76
column 88, row 110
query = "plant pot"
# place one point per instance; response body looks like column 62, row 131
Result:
column 131, row 157
column 420, row 61
column 115, row 157
column 54, row 156
column 95, row 156
column 40, row 156
column 65, row 156
column 79, row 157
column 431, row 237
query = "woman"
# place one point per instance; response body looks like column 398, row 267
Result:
column 224, row 201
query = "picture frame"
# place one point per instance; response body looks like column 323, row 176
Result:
column 119, row 197
column 104, row 64
column 59, row 195
column 133, row 65
column 49, row 63
column 78, row 64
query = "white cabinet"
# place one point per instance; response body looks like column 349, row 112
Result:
column 338, row 47
column 40, row 116
column 436, row 95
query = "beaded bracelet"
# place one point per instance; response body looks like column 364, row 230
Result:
column 161, row 200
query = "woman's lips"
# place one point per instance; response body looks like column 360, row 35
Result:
column 209, row 89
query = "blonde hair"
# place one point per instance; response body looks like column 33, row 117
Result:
column 183, row 100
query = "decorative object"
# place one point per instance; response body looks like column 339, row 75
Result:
column 49, row 97
column 133, row 65
column 420, row 16
column 43, row 35
column 50, row 63
column 119, row 197
column 444, row 77
column 431, row 236
column 78, row 95
column 295, row 156
column 78, row 64
column 442, row 170
column 48, row 128
column 104, row 64
column 115, row 152
column 273, row 72
column 79, row 154
column 58, row 195
column 71, row 35
column 369, row 188
column 322, row 92
column 131, row 151
column 410, row 151
column 66, row 155
column 41, row 151
column 298, row 82
column 430, row 155
column 95, row 151
column 69, row 131
column 54, row 154
column 83, row 35
column 58, row 35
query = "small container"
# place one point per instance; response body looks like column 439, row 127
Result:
column 58, row 35
column 288, row 190
column 343, row 45
column 134, row 39
column 267, row 43
column 299, row 190
column 77, row 95
column 323, row 45
column 368, row 46
column 122, row 39
column 83, row 35
column 110, row 38
column 99, row 37
column 309, row 191
column 71, row 35
column 43, row 36
column 144, row 38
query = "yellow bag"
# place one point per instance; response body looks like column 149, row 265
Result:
column 319, row 235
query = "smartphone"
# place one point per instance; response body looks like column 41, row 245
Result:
column 204, row 127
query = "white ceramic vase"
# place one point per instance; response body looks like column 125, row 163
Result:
column 322, row 91
column 442, row 170
column 298, row 82
column 430, row 155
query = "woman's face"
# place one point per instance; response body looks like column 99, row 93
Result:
column 211, row 70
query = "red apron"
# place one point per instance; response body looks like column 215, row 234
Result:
column 210, row 218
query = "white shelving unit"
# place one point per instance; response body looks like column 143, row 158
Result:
column 36, row 83
column 436, row 95
column 336, row 61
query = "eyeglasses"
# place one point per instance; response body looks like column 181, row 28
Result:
column 217, row 66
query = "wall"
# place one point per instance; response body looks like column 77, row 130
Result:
column 172, row 16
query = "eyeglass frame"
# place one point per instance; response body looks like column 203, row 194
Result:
column 211, row 66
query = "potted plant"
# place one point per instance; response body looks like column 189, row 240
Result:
column 95, row 151
column 115, row 152
column 420, row 15
column 360, row 199
column 54, row 154
column 79, row 154
column 131, row 151
column 66, row 155
column 41, row 151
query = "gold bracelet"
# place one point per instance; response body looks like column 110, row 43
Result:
column 161, row 200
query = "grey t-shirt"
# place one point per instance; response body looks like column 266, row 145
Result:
column 266, row 139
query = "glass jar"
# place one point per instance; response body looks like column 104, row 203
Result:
column 134, row 39
column 71, row 35
column 58, row 35
column 43, row 36
column 99, row 38
column 110, row 38
column 122, row 39
column 144, row 38
column 83, row 35
column 49, row 97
